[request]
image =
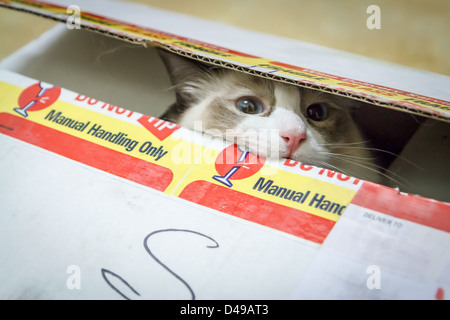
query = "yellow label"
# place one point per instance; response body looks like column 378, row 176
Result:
column 187, row 160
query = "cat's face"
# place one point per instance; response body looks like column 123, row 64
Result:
column 273, row 119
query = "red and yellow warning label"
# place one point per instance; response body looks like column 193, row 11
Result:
column 301, row 200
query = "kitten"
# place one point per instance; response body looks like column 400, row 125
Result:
column 271, row 118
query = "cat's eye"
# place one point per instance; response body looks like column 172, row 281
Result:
column 250, row 105
column 317, row 111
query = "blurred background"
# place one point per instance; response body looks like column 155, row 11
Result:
column 414, row 33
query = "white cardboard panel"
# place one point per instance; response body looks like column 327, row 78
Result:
column 62, row 219
column 58, row 215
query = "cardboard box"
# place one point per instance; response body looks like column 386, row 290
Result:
column 101, row 198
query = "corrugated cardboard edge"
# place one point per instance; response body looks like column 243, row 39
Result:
column 355, row 95
column 419, row 105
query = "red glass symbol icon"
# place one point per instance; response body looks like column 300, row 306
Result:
column 37, row 97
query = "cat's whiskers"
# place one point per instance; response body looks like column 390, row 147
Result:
column 370, row 166
column 346, row 146
column 245, row 104
column 335, row 144
column 371, row 159
column 330, row 166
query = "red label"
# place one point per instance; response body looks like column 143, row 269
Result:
column 37, row 97
column 235, row 164
column 409, row 207
column 159, row 128
column 260, row 211
column 89, row 153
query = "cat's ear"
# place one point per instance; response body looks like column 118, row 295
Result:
column 183, row 73
column 180, row 69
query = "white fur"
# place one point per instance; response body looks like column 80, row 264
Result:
column 263, row 133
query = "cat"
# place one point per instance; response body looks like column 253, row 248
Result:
column 271, row 118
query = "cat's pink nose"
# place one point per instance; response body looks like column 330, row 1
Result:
column 293, row 140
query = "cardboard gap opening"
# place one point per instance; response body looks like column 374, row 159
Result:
column 298, row 83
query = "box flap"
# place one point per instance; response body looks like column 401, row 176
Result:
column 290, row 61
